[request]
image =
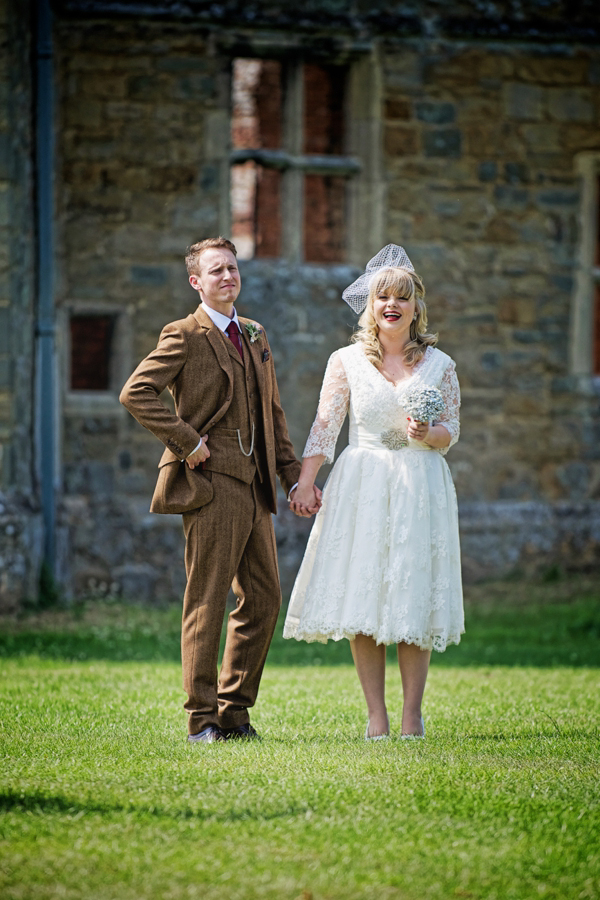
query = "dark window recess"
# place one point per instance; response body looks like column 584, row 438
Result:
column 324, row 195
column 91, row 340
column 256, row 191
column 257, row 188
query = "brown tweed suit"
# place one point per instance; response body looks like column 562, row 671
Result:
column 226, row 505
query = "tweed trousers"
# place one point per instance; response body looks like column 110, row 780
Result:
column 230, row 542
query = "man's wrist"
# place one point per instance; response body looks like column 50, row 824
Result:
column 292, row 489
column 195, row 450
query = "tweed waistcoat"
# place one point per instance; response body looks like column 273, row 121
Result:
column 226, row 456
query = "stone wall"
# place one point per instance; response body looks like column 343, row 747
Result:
column 20, row 524
column 481, row 147
column 484, row 191
column 480, row 143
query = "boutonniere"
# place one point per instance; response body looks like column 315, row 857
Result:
column 254, row 331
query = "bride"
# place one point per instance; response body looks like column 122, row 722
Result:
column 382, row 564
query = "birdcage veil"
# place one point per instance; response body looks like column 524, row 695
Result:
column 392, row 256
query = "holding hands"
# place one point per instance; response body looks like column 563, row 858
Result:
column 306, row 500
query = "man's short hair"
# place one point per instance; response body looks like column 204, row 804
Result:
column 193, row 253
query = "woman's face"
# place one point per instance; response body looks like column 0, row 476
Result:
column 393, row 315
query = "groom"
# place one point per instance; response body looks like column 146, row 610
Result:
column 225, row 443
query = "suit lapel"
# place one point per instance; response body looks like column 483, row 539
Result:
column 254, row 352
column 215, row 339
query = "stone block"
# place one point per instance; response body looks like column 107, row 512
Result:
column 5, row 341
column 562, row 197
column 5, row 157
column 149, row 276
column 528, row 336
column 516, row 173
column 105, row 85
column 400, row 141
column 398, row 109
column 575, row 478
column 5, row 373
column 435, row 113
column 542, row 137
column 198, row 88
column 193, row 215
column 578, row 137
column 516, row 310
column 125, row 109
column 480, row 108
column 128, row 178
column 571, row 105
column 492, row 140
column 149, row 88
column 564, row 283
column 523, row 101
column 552, row 70
column 172, row 179
column 487, row 171
column 4, row 212
column 445, row 142
column 403, row 70
column 209, row 178
column 508, row 197
column 179, row 64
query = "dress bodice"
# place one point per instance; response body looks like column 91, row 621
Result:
column 375, row 405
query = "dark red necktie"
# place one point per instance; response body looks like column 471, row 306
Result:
column 233, row 333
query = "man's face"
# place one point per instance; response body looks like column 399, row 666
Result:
column 219, row 280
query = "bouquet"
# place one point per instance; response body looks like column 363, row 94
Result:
column 424, row 404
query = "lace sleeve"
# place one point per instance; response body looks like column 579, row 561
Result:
column 450, row 417
column 333, row 406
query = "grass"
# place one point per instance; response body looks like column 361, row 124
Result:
column 102, row 797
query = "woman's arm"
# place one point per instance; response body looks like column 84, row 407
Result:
column 446, row 430
column 320, row 446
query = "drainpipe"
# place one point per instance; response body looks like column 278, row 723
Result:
column 45, row 327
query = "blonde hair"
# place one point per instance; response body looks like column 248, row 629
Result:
column 193, row 253
column 400, row 282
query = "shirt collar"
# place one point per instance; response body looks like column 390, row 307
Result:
column 221, row 321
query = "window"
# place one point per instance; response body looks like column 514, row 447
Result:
column 585, row 321
column 290, row 167
column 91, row 346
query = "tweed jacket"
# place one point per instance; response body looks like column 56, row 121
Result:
column 193, row 362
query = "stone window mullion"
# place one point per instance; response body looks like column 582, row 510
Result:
column 293, row 178
column 585, row 311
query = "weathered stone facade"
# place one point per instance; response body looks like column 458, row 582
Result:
column 20, row 520
column 477, row 126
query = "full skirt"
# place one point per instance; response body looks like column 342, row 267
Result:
column 383, row 557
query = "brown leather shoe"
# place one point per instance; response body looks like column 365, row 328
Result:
column 209, row 735
column 240, row 733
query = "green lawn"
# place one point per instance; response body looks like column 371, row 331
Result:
column 102, row 797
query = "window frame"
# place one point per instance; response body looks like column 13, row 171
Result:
column 361, row 164
column 91, row 402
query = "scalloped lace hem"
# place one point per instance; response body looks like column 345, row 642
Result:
column 435, row 642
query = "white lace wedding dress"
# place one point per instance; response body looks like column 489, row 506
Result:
column 383, row 557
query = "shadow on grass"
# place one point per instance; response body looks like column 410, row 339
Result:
column 41, row 804
column 532, row 634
